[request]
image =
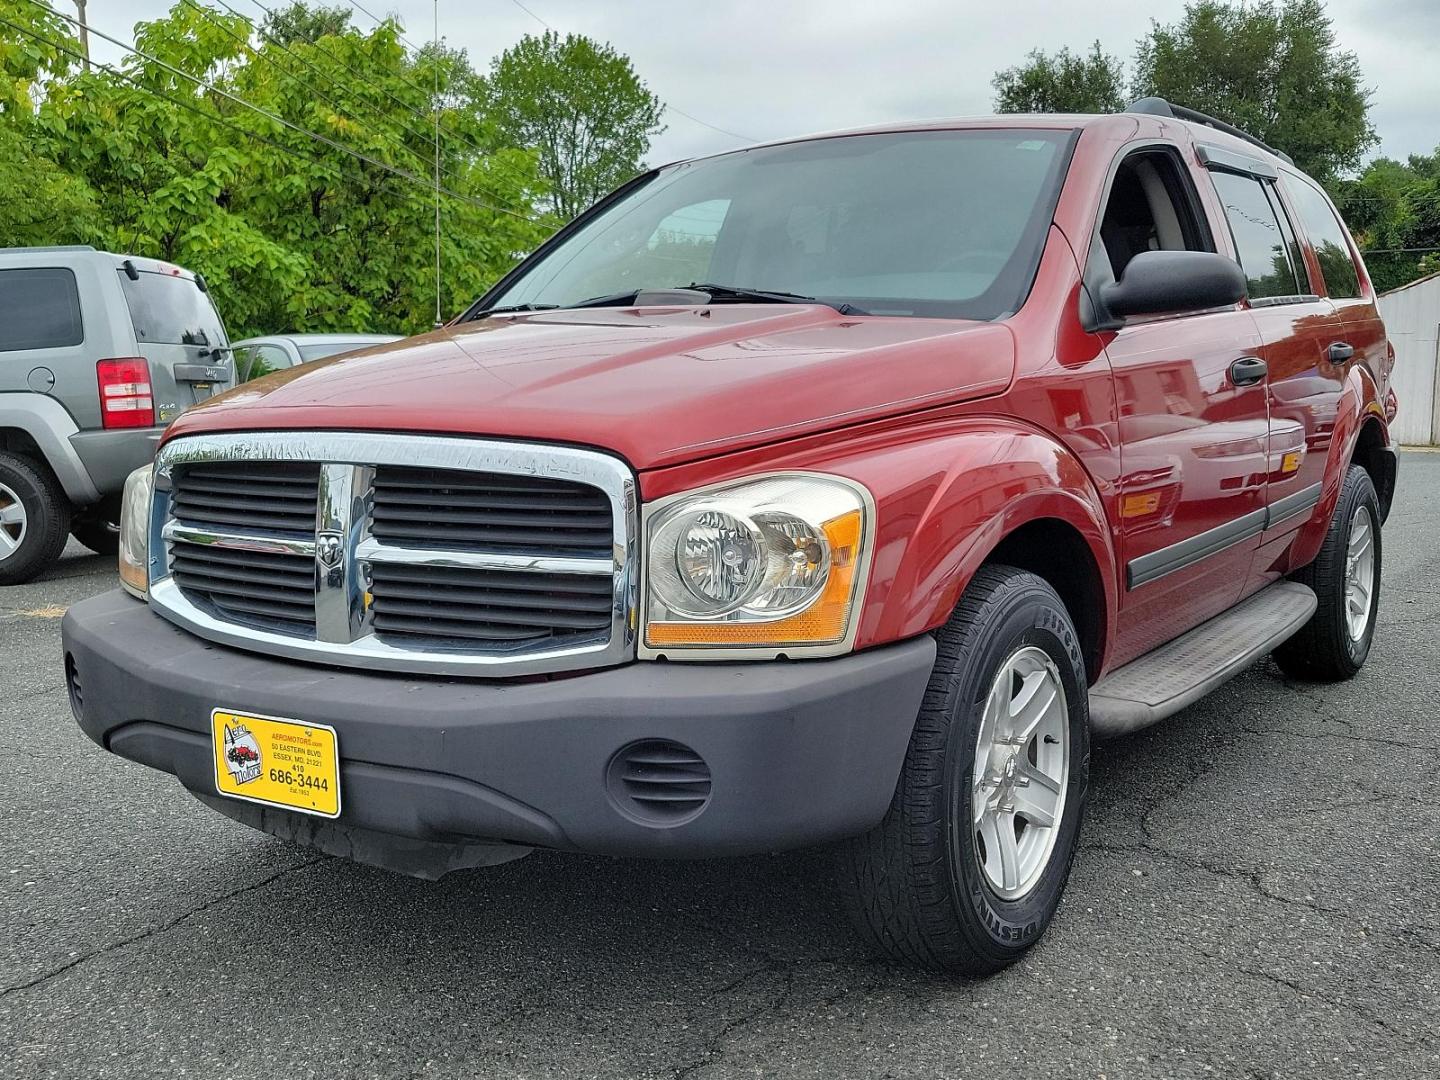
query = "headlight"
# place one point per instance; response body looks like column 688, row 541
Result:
column 135, row 531
column 775, row 563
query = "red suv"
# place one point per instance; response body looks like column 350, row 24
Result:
column 839, row 489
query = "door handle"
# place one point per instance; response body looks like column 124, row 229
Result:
column 1248, row 370
column 1340, row 352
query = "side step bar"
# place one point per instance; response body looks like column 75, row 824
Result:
column 1179, row 673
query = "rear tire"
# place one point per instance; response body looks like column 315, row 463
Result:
column 1334, row 644
column 924, row 886
column 34, row 519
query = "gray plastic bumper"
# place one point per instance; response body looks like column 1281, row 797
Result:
column 434, row 772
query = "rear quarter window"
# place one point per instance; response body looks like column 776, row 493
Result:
column 167, row 309
column 1327, row 237
column 41, row 309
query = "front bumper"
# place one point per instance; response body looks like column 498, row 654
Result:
column 435, row 773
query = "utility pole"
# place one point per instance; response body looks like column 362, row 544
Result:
column 439, row 317
column 84, row 32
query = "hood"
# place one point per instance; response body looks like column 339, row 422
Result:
column 658, row 386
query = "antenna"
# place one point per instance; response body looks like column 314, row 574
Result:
column 439, row 320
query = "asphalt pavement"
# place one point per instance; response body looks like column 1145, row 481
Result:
column 1257, row 895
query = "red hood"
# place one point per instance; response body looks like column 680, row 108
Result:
column 656, row 385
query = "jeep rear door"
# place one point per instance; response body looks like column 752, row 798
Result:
column 177, row 330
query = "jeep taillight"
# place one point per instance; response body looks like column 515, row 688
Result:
column 125, row 397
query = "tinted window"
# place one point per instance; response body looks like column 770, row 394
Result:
column 39, row 309
column 1327, row 236
column 942, row 223
column 1259, row 239
column 252, row 361
column 171, row 310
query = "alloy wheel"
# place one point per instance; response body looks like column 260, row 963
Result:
column 1021, row 773
column 1359, row 573
column 13, row 522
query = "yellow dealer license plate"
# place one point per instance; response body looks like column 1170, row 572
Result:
column 275, row 762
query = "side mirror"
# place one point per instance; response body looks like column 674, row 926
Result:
column 1160, row 282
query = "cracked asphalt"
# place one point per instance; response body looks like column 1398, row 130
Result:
column 1256, row 896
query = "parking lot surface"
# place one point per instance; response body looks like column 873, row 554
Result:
column 1257, row 895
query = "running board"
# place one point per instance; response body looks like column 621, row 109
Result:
column 1181, row 672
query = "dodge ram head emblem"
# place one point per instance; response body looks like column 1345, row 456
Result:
column 328, row 547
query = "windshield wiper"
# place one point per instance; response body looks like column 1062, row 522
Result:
column 513, row 308
column 735, row 292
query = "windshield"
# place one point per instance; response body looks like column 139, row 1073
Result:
column 168, row 309
column 934, row 223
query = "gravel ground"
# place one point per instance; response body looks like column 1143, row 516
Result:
column 1256, row 896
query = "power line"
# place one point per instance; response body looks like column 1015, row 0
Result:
column 188, row 106
column 325, row 139
column 672, row 108
column 211, row 17
column 265, row 57
column 460, row 136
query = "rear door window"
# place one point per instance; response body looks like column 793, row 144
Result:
column 1327, row 236
column 167, row 309
column 1260, row 241
column 41, row 309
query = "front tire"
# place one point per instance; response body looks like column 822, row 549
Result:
column 1334, row 644
column 966, row 870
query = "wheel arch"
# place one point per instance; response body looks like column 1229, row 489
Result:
column 1056, row 551
column 1372, row 453
column 1011, row 495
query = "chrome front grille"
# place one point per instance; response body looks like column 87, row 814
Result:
column 403, row 553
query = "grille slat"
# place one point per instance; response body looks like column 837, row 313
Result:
column 420, row 602
column 489, row 512
column 260, row 589
column 245, row 496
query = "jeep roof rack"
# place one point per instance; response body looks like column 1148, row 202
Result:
column 1158, row 106
column 50, row 247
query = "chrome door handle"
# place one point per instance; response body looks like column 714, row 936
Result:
column 1248, row 370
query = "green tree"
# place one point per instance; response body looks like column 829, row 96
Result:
column 1063, row 82
column 293, row 233
column 1393, row 208
column 581, row 106
column 1272, row 68
column 300, row 22
column 39, row 202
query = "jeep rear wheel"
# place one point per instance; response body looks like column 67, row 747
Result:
column 966, row 869
column 34, row 519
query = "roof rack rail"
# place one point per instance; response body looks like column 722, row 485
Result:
column 1158, row 106
column 50, row 247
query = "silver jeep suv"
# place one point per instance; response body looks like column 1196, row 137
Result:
column 98, row 353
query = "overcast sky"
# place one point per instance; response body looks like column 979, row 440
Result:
column 761, row 69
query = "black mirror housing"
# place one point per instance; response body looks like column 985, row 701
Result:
column 1170, row 282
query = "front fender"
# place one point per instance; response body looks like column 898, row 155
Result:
column 988, row 479
column 1359, row 403
column 946, row 493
